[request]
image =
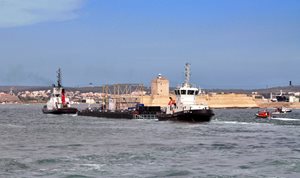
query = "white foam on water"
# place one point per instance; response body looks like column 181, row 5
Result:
column 93, row 166
column 228, row 122
column 240, row 123
column 285, row 119
column 12, row 126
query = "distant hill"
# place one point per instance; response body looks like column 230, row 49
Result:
column 22, row 88
column 261, row 91
column 122, row 87
column 110, row 88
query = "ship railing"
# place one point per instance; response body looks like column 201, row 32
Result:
column 145, row 116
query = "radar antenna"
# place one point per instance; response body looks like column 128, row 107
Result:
column 187, row 75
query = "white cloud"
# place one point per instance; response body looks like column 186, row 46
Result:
column 25, row 12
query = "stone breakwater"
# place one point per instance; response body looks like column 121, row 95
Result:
column 7, row 98
column 231, row 100
column 228, row 101
column 265, row 104
column 242, row 101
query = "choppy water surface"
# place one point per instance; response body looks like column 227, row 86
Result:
column 233, row 144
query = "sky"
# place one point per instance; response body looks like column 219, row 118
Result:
column 240, row 44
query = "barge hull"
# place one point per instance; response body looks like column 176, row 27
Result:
column 113, row 115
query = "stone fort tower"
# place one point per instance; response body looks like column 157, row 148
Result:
column 160, row 87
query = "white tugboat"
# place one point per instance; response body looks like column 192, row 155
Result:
column 185, row 108
column 59, row 103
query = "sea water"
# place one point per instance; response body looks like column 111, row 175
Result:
column 233, row 144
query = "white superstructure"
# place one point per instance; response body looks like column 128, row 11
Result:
column 185, row 96
column 58, row 100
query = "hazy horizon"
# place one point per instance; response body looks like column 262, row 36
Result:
column 8, row 87
column 230, row 44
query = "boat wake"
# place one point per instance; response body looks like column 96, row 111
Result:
column 285, row 119
column 237, row 122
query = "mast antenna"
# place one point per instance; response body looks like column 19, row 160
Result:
column 59, row 78
column 187, row 74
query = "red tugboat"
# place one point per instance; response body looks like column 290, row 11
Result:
column 263, row 114
column 185, row 108
column 58, row 103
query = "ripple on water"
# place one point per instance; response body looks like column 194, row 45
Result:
column 295, row 167
column 172, row 173
column 11, row 165
column 77, row 176
column 49, row 161
column 65, row 146
column 223, row 146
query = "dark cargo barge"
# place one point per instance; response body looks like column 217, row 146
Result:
column 139, row 112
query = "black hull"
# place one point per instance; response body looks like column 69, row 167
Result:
column 141, row 112
column 204, row 115
column 60, row 111
column 112, row 115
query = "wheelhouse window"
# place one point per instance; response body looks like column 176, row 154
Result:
column 176, row 92
column 197, row 92
column 191, row 92
column 183, row 92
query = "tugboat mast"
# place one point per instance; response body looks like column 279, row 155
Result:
column 187, row 75
column 59, row 78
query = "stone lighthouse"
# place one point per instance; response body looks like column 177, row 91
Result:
column 160, row 91
column 160, row 86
